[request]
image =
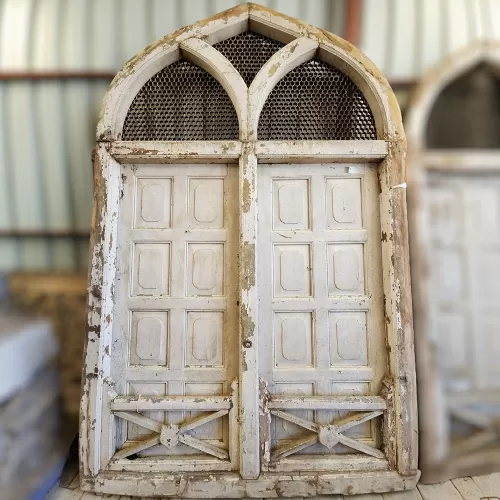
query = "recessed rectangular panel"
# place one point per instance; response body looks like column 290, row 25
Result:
column 293, row 341
column 446, row 212
column 205, row 330
column 206, row 203
column 134, row 431
column 290, row 204
column 149, row 339
column 348, row 338
column 283, row 429
column 151, row 272
column 345, row 269
column 213, row 429
column 490, row 346
column 292, row 270
column 205, row 269
column 482, row 212
column 449, row 272
column 343, row 203
column 153, row 203
column 454, row 348
column 488, row 277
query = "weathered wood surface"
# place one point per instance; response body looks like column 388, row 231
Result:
column 164, row 258
column 454, row 220
column 467, row 488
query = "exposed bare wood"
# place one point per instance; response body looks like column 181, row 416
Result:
column 177, row 282
column 141, row 420
column 137, row 447
column 348, row 422
column 360, row 446
column 293, row 447
column 320, row 151
column 328, row 403
column 176, row 152
column 204, row 446
column 294, row 419
column 204, row 419
column 171, row 403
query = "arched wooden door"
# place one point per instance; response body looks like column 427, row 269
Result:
column 454, row 170
column 250, row 327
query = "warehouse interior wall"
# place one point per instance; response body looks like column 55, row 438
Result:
column 57, row 58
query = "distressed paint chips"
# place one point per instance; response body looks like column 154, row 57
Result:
column 250, row 332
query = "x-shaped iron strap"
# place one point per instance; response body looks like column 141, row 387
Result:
column 328, row 435
column 170, row 435
column 489, row 429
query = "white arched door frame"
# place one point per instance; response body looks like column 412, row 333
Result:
column 437, row 460
column 387, row 153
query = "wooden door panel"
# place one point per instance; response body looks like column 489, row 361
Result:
column 177, row 309
column 320, row 309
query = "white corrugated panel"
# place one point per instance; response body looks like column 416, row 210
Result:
column 406, row 37
column 47, row 126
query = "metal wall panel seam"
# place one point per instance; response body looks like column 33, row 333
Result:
column 71, row 150
column 53, row 150
column 11, row 247
column 26, row 186
column 35, row 131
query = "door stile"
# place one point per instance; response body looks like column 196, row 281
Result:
column 249, row 365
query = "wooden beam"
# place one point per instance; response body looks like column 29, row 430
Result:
column 57, row 75
column 181, row 403
column 42, row 233
column 327, row 403
column 353, row 21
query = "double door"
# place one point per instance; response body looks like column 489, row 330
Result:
column 177, row 354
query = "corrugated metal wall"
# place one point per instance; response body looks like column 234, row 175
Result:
column 406, row 37
column 47, row 125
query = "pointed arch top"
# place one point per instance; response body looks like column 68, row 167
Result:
column 194, row 44
column 436, row 80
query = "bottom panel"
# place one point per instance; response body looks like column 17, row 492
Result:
column 230, row 485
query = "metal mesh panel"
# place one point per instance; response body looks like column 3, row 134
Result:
column 467, row 112
column 248, row 52
column 316, row 102
column 182, row 102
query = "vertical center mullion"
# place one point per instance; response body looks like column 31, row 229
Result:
column 320, row 290
column 249, row 376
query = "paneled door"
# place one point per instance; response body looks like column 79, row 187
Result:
column 464, row 221
column 320, row 314
column 176, row 296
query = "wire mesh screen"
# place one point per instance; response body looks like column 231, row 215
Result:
column 182, row 102
column 316, row 102
column 467, row 112
column 248, row 52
